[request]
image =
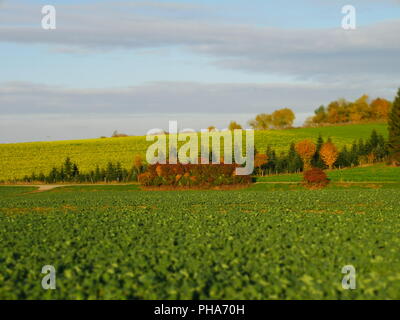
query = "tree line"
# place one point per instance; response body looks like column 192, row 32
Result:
column 342, row 111
column 301, row 156
column 69, row 172
column 321, row 154
column 339, row 111
column 279, row 119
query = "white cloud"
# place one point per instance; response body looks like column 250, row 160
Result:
column 178, row 97
column 304, row 53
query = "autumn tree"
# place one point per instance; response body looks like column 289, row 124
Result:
column 306, row 150
column 333, row 112
column 283, row 118
column 359, row 109
column 329, row 154
column 138, row 161
column 320, row 115
column 263, row 121
column 380, row 108
column 211, row 128
column 279, row 119
column 233, row 125
column 138, row 166
column 394, row 131
column 260, row 160
column 343, row 111
column 338, row 111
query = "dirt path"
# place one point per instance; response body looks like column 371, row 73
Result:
column 47, row 187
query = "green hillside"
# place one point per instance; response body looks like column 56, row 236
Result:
column 19, row 159
column 375, row 173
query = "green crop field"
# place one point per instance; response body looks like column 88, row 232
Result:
column 20, row 159
column 117, row 242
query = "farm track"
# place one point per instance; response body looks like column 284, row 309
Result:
column 48, row 187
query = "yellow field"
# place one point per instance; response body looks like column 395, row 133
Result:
column 19, row 159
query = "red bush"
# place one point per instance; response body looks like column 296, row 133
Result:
column 315, row 178
column 144, row 178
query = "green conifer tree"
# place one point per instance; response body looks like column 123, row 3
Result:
column 317, row 161
column 394, row 131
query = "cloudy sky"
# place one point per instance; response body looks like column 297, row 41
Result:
column 134, row 65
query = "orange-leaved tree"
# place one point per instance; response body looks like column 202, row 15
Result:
column 138, row 161
column 233, row 125
column 329, row 154
column 306, row 150
column 260, row 160
column 283, row 118
column 138, row 165
column 380, row 108
column 279, row 119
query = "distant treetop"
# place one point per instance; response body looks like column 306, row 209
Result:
column 342, row 111
column 279, row 119
column 116, row 134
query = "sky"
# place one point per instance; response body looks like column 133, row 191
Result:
column 132, row 66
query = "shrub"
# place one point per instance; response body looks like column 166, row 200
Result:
column 144, row 178
column 116, row 134
column 192, row 175
column 315, row 178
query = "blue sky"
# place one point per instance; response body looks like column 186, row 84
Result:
column 179, row 57
column 120, row 67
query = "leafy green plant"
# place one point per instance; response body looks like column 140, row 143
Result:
column 114, row 242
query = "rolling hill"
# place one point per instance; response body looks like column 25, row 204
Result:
column 20, row 159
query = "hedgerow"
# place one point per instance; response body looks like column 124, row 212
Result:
column 70, row 172
column 190, row 175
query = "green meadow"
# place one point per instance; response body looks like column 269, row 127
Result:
column 372, row 173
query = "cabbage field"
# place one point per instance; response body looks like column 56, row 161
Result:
column 117, row 242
